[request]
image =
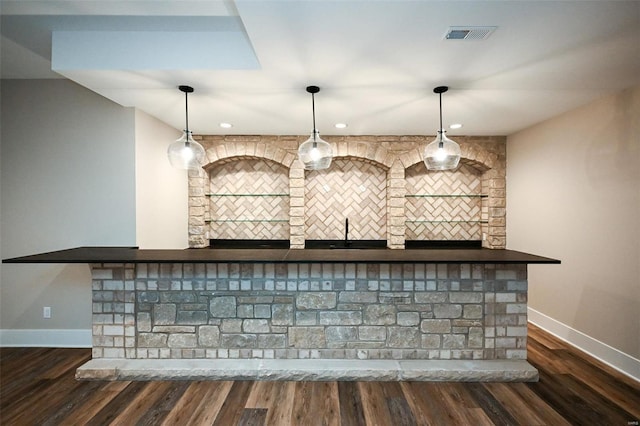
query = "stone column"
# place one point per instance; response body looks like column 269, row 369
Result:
column 296, row 205
column 396, row 188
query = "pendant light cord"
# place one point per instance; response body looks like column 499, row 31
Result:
column 313, row 108
column 186, row 111
column 440, row 94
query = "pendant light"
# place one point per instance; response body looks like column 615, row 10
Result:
column 442, row 153
column 186, row 153
column 315, row 153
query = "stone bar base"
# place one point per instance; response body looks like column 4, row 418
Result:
column 308, row 370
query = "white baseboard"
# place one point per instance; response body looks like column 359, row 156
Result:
column 46, row 338
column 611, row 356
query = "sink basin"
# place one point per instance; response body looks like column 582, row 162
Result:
column 341, row 244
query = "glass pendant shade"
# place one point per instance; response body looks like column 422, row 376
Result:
column 442, row 153
column 186, row 153
column 315, row 153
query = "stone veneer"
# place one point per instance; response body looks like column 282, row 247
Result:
column 392, row 154
column 310, row 310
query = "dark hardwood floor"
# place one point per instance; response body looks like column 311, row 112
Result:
column 38, row 388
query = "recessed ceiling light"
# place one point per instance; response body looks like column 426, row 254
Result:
column 341, row 125
column 455, row 126
column 226, row 125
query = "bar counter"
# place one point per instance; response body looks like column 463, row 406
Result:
column 278, row 314
column 135, row 255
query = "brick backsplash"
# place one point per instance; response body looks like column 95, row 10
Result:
column 378, row 182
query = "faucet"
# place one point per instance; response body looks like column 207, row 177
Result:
column 346, row 232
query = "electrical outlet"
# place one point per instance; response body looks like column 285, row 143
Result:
column 46, row 312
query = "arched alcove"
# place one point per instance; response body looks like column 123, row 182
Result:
column 352, row 188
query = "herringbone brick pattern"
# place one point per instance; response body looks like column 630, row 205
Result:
column 248, row 200
column 349, row 189
column 443, row 205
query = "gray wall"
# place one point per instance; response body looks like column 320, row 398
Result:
column 573, row 194
column 67, row 179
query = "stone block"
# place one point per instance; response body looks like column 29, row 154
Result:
column 307, row 301
column 148, row 297
column 472, row 311
column 341, row 334
column 465, row 297
column 164, row 314
column 152, row 340
column 358, row 297
column 182, row 341
column 222, row 307
column 453, row 341
column 376, row 333
column 476, row 337
column 282, row 314
column 447, row 311
column 307, row 337
column 272, row 341
column 403, row 337
column 408, row 318
column 262, row 311
column 231, row 325
column 380, row 314
column 435, row 326
column 306, row 318
column 239, row 341
column 144, row 321
column 192, row 317
column 245, row 311
column 340, row 317
column 431, row 341
column 255, row 326
column 209, row 336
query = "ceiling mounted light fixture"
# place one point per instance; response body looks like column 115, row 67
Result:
column 442, row 153
column 315, row 153
column 186, row 153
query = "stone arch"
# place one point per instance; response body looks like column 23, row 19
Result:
column 472, row 156
column 361, row 150
column 231, row 151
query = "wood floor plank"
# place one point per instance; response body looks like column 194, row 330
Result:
column 493, row 408
column 351, row 412
column 427, row 403
column 253, row 417
column 524, row 406
column 279, row 413
column 316, row 403
column 37, row 386
column 374, row 403
column 111, row 410
column 89, row 408
column 163, row 405
column 233, row 406
column 261, row 395
column 460, row 406
column 199, row 404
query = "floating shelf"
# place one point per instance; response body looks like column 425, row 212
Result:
column 447, row 221
column 446, row 196
column 247, row 221
column 246, row 195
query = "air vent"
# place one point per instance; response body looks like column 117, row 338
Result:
column 469, row 33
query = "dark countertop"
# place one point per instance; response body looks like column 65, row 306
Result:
column 135, row 255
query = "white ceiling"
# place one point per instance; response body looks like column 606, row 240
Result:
column 376, row 62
